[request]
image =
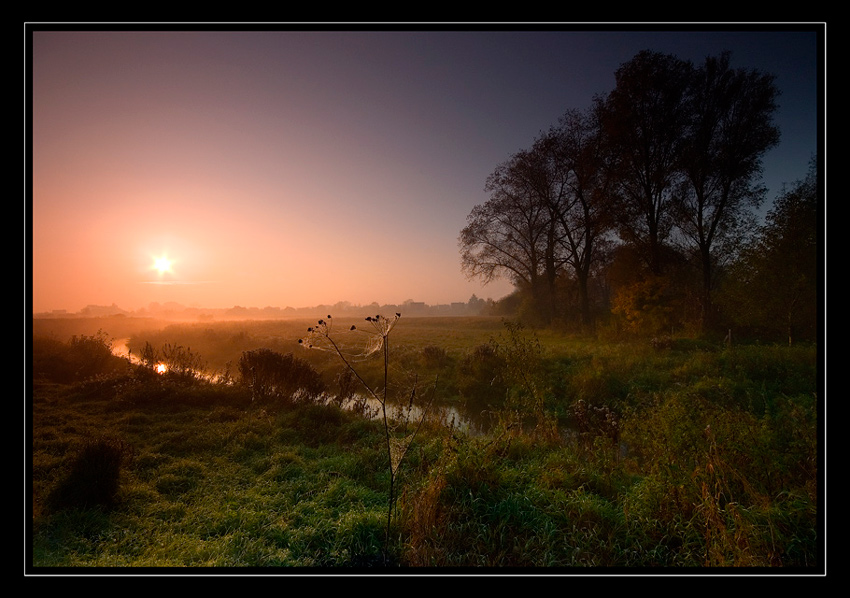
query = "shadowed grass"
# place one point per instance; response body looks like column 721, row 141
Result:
column 716, row 465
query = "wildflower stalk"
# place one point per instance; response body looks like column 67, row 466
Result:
column 319, row 337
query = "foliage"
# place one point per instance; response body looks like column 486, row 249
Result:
column 773, row 287
column 645, row 306
column 82, row 357
column 93, row 475
column 643, row 118
column 730, row 129
column 667, row 164
column 546, row 212
column 696, row 455
column 271, row 375
column 718, row 470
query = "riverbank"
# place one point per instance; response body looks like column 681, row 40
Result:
column 722, row 471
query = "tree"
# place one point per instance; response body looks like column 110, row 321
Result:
column 773, row 287
column 584, row 208
column 546, row 216
column 728, row 131
column 512, row 233
column 644, row 117
column 672, row 153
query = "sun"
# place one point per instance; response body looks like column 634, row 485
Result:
column 162, row 264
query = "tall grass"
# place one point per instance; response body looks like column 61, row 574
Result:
column 685, row 455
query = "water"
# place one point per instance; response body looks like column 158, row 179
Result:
column 121, row 349
column 446, row 415
column 370, row 407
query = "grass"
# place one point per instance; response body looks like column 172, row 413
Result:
column 714, row 465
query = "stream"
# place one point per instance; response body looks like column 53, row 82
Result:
column 370, row 407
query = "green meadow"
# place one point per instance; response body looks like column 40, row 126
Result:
column 253, row 453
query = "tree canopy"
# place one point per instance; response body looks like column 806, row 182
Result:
column 668, row 164
column 773, row 287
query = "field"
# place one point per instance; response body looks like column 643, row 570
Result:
column 666, row 455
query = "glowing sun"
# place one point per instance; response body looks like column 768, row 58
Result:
column 162, row 265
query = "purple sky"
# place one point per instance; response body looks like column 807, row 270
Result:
column 298, row 168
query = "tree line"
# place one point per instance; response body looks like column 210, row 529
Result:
column 640, row 210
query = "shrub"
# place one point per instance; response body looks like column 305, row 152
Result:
column 646, row 307
column 93, row 476
column 481, row 377
column 177, row 362
column 81, row 358
column 270, row 374
column 434, row 356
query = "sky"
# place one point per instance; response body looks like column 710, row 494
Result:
column 292, row 167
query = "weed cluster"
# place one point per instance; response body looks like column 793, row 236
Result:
column 93, row 475
column 175, row 360
column 284, row 377
column 81, row 358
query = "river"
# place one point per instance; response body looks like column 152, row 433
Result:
column 370, row 407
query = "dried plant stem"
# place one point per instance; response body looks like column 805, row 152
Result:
column 396, row 447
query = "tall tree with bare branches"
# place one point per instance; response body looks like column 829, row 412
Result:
column 729, row 129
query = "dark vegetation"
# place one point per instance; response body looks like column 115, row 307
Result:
column 641, row 213
column 93, row 475
column 624, row 454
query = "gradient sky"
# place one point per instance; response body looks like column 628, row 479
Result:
column 297, row 168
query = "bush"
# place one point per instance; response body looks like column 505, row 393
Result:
column 270, row 374
column 93, row 475
column 81, row 358
column 177, row 362
column 481, row 377
column 434, row 356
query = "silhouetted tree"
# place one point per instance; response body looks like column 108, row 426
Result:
column 729, row 129
column 644, row 118
column 671, row 154
column 584, row 208
column 546, row 216
column 512, row 233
